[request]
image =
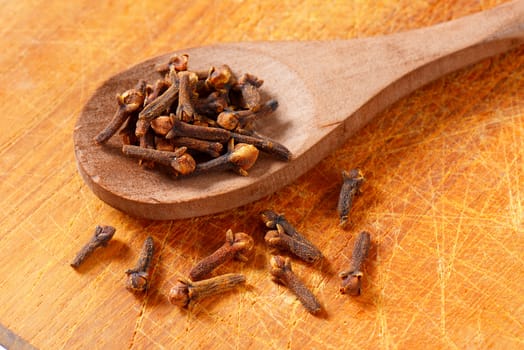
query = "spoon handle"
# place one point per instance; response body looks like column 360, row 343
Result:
column 397, row 64
column 391, row 66
column 414, row 58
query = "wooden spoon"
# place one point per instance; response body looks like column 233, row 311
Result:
column 326, row 91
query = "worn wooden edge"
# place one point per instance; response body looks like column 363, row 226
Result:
column 11, row 341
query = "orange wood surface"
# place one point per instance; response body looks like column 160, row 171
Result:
column 443, row 199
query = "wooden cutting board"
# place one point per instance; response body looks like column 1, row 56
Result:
column 443, row 198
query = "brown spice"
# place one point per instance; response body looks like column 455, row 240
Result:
column 152, row 92
column 221, row 78
column 280, row 240
column 248, row 86
column 162, row 125
column 264, row 144
column 157, row 107
column 181, row 128
column 202, row 111
column 211, row 148
column 239, row 158
column 127, row 132
column 182, row 162
column 351, row 278
column 280, row 269
column 128, row 102
column 100, row 238
column 138, row 277
column 176, row 62
column 186, row 292
column 350, row 188
column 286, row 237
column 187, row 85
column 214, row 103
column 237, row 245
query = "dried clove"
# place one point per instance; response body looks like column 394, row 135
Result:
column 248, row 86
column 221, row 78
column 180, row 161
column 128, row 103
column 162, row 144
column 199, row 132
column 186, row 292
column 271, row 219
column 280, row 269
column 212, row 148
column 101, row 237
column 239, row 157
column 152, row 92
column 302, row 249
column 288, row 238
column 350, row 188
column 138, row 277
column 127, row 132
column 264, row 144
column 351, row 278
column 214, row 103
column 162, row 125
column 187, row 85
column 237, row 245
column 176, row 62
column 243, row 119
column 158, row 106
column 216, row 134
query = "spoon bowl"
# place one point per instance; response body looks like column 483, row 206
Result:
column 326, row 91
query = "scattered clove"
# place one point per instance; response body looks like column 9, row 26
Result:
column 186, row 292
column 350, row 188
column 280, row 269
column 237, row 245
column 286, row 237
column 138, row 277
column 351, row 278
column 302, row 249
column 101, row 237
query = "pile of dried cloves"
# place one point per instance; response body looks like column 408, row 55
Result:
column 194, row 122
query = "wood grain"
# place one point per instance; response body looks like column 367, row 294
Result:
column 443, row 197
